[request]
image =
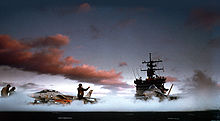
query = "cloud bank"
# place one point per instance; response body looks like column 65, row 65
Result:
column 44, row 56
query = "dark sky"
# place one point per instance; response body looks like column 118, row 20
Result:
column 105, row 39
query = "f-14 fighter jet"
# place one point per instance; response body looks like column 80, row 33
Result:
column 54, row 97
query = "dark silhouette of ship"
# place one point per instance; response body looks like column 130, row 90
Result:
column 153, row 85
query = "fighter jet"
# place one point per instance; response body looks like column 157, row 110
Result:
column 54, row 97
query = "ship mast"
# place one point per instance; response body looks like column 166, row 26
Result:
column 151, row 67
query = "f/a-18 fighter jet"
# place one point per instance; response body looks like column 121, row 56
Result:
column 54, row 97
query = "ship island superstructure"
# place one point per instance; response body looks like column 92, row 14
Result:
column 153, row 81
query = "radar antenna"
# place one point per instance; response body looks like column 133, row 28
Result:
column 151, row 67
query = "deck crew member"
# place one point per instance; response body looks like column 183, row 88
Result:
column 5, row 91
column 81, row 91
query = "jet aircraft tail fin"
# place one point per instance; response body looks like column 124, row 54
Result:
column 89, row 93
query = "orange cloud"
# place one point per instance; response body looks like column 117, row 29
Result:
column 171, row 79
column 52, row 41
column 70, row 60
column 85, row 7
column 87, row 73
column 8, row 44
column 50, row 60
column 122, row 64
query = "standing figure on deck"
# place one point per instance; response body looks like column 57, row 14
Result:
column 5, row 91
column 81, row 91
